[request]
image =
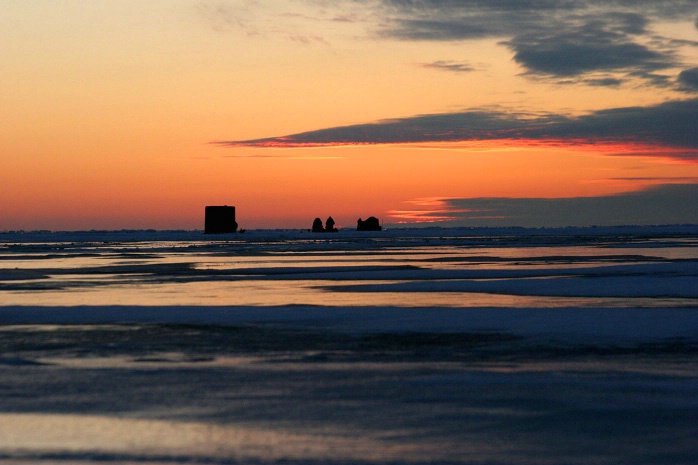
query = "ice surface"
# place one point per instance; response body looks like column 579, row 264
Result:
column 590, row 324
column 489, row 346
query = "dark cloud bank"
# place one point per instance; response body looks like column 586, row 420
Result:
column 598, row 42
column 667, row 125
column 668, row 204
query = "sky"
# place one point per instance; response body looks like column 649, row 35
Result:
column 124, row 114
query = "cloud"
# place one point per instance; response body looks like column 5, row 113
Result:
column 604, row 82
column 667, row 204
column 224, row 17
column 593, row 42
column 670, row 124
column 303, row 157
column 588, row 43
column 471, row 125
column 688, row 79
column 254, row 19
column 667, row 128
column 307, row 39
column 444, row 20
column 464, row 19
column 679, row 180
column 553, row 38
column 452, row 66
column 461, row 29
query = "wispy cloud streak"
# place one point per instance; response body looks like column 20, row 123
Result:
column 667, row 125
column 452, row 66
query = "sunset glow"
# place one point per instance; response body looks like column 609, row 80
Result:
column 130, row 115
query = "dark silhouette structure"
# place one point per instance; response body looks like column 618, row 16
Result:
column 329, row 225
column 371, row 224
column 220, row 220
column 317, row 225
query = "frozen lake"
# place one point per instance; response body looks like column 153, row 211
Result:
column 452, row 346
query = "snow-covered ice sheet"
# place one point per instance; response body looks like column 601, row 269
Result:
column 511, row 346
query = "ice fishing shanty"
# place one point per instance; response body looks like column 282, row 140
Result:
column 220, row 220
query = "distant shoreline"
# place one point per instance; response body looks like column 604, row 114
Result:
column 388, row 228
column 388, row 232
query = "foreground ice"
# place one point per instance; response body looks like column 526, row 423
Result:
column 593, row 325
column 265, row 392
column 276, row 347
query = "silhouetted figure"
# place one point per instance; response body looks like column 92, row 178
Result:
column 317, row 225
column 220, row 220
column 371, row 224
column 329, row 225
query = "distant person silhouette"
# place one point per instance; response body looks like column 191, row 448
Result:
column 329, row 225
column 317, row 225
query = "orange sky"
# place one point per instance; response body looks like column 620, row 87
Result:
column 110, row 111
